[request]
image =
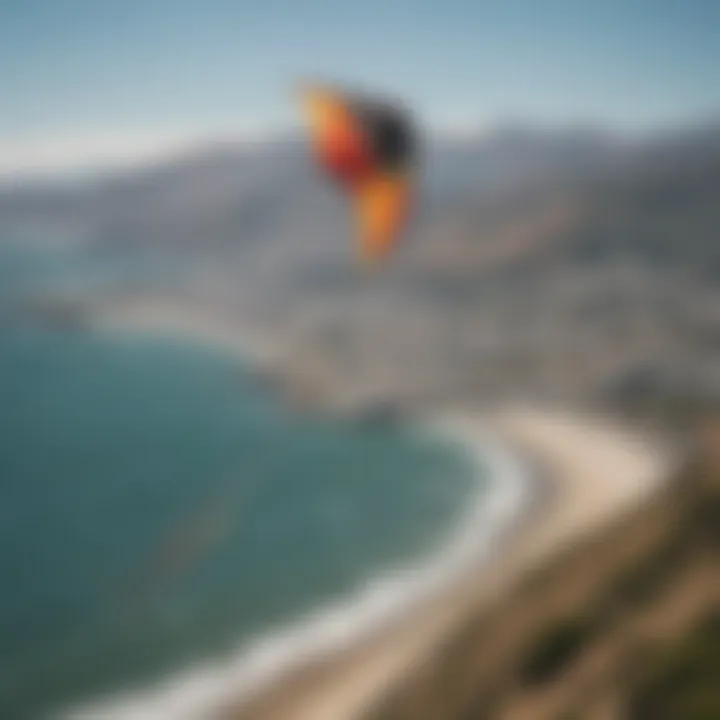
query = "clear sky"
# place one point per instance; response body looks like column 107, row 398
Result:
column 92, row 68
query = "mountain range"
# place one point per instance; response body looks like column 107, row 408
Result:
column 568, row 262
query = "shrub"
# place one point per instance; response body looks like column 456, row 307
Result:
column 556, row 648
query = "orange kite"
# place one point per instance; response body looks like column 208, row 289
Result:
column 366, row 146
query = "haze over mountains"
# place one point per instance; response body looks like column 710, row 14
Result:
column 564, row 262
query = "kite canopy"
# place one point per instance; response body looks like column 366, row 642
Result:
column 367, row 147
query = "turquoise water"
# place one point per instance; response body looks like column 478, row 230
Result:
column 159, row 508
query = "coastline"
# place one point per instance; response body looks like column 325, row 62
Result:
column 343, row 684
column 596, row 472
column 171, row 318
column 349, row 623
column 586, row 472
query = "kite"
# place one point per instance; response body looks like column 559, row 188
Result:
column 366, row 146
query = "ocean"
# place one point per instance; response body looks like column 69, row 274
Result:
column 162, row 512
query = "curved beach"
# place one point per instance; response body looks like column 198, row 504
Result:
column 594, row 470
column 349, row 623
column 583, row 473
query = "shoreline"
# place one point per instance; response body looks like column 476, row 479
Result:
column 343, row 686
column 275, row 656
column 168, row 318
column 585, row 472
column 348, row 686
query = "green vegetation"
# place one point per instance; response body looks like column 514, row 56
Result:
column 653, row 671
column 705, row 519
column 556, row 648
column 684, row 682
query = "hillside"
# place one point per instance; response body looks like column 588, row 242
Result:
column 565, row 263
column 624, row 625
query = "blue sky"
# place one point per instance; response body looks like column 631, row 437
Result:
column 97, row 67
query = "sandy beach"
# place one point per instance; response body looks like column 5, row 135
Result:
column 594, row 471
column 585, row 472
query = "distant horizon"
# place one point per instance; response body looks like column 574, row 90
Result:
column 88, row 81
column 31, row 158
